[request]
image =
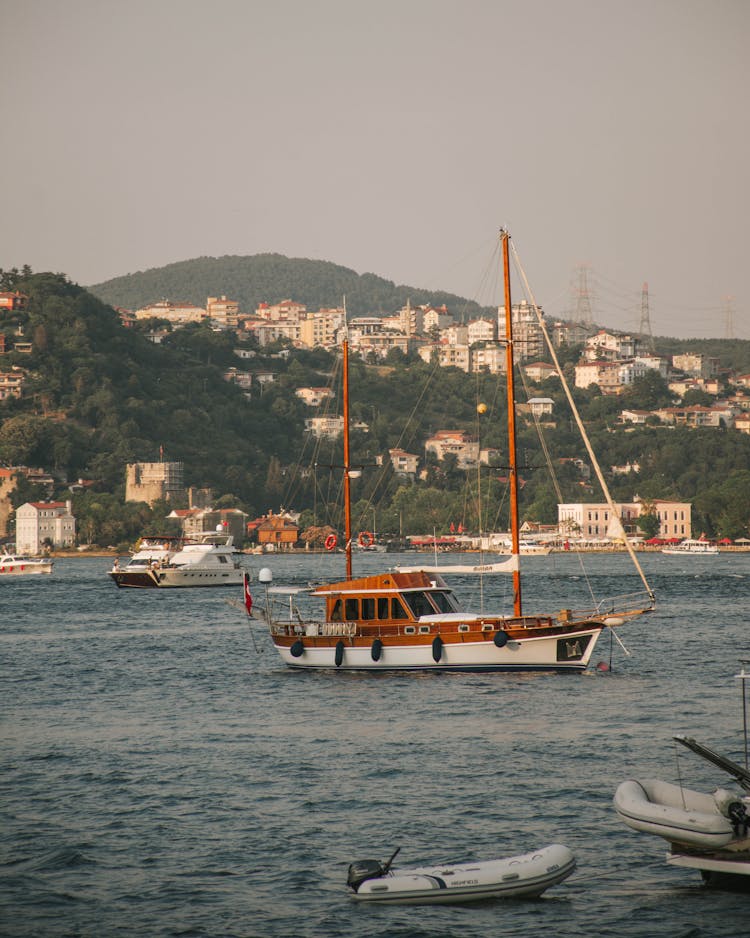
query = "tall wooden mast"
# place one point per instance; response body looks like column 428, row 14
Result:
column 347, row 462
column 511, row 392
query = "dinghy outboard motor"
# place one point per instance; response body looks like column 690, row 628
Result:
column 362, row 870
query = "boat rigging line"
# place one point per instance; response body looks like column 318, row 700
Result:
column 582, row 429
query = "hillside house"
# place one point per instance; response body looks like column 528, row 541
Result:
column 314, row 397
column 275, row 532
column 609, row 346
column 403, row 463
column 540, row 406
column 540, row 371
column 11, row 383
column 454, row 442
column 11, row 302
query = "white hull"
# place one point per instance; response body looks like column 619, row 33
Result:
column 676, row 814
column 505, row 566
column 530, row 654
column 721, row 866
column 527, row 875
column 11, row 565
column 174, row 579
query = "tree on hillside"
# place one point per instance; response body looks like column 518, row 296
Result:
column 647, row 392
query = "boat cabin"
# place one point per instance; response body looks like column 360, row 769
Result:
column 391, row 597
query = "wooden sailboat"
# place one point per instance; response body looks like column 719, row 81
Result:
column 411, row 619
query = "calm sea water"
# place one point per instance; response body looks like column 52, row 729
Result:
column 164, row 774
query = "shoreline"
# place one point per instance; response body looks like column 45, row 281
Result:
column 613, row 549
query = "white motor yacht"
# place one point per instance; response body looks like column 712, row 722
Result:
column 210, row 560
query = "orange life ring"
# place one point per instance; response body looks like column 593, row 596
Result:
column 365, row 539
column 331, row 541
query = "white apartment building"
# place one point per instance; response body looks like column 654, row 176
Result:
column 481, row 330
column 319, row 330
column 528, row 338
column 611, row 377
column 411, row 319
column 37, row 522
column 286, row 309
column 223, row 311
column 449, row 356
column 179, row 313
column 491, row 358
column 434, row 318
column 455, row 334
column 696, row 365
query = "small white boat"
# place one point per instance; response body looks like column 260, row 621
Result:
column 690, row 546
column 706, row 832
column 678, row 814
column 18, row 565
column 527, row 875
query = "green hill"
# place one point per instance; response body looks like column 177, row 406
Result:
column 98, row 395
column 270, row 278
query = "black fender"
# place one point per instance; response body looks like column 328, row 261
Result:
column 437, row 648
column 376, row 650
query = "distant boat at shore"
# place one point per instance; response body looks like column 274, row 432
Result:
column 18, row 565
column 690, row 546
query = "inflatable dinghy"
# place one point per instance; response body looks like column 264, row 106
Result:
column 679, row 815
column 527, row 875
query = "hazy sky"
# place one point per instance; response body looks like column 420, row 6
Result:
column 390, row 136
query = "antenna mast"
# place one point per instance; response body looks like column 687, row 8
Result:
column 583, row 314
column 644, row 329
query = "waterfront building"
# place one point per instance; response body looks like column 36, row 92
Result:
column 42, row 524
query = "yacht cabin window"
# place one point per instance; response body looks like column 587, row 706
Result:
column 397, row 610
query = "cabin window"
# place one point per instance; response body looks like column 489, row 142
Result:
column 397, row 610
column 336, row 611
column 351, row 609
column 463, row 628
column 222, row 559
column 383, row 607
column 419, row 604
column 444, row 601
column 409, row 630
column 368, row 607
column 485, row 628
column 424, row 629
